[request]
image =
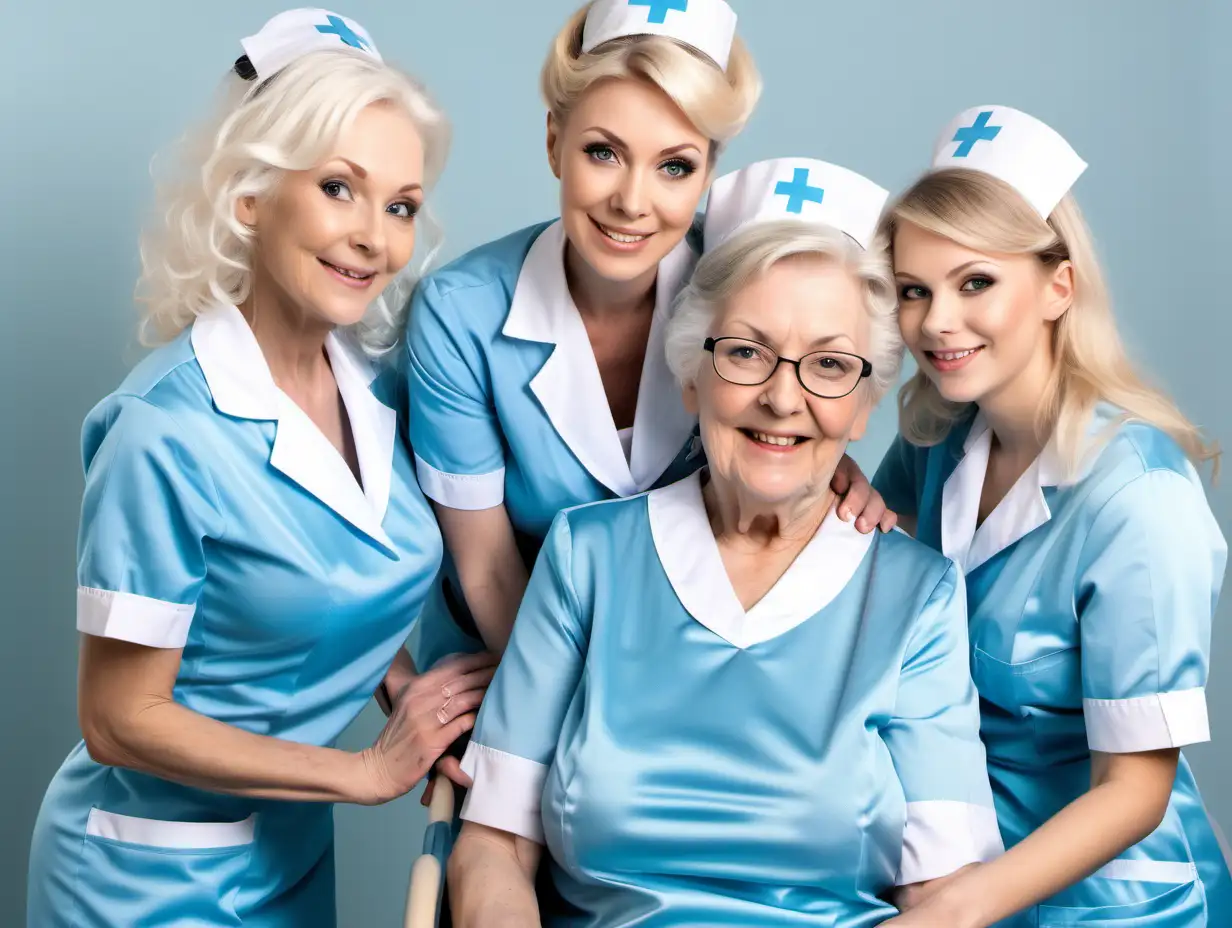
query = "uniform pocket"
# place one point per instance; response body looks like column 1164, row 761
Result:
column 147, row 873
column 1180, row 905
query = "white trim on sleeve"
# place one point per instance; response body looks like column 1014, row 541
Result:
column 1147, row 723
column 507, row 792
column 1147, row 871
column 133, row 618
column 941, row 836
column 461, row 491
column 193, row 836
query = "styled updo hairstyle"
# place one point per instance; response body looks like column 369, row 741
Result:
column 717, row 102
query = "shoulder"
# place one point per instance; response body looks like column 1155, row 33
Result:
column 164, row 390
column 1130, row 458
column 1140, row 491
column 607, row 515
column 491, row 268
column 911, row 564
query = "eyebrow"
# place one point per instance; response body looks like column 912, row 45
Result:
column 759, row 335
column 362, row 174
column 618, row 142
column 949, row 276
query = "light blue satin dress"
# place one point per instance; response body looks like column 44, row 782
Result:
column 218, row 520
column 507, row 405
column 1090, row 595
column 689, row 763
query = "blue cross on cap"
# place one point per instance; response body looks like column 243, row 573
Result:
column 336, row 26
column 979, row 131
column 798, row 191
column 660, row 8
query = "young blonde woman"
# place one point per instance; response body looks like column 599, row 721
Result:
column 254, row 546
column 1067, row 489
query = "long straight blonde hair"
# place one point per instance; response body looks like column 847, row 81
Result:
column 983, row 213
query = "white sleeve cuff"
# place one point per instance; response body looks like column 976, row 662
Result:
column 461, row 491
column 507, row 792
column 1147, row 723
column 133, row 618
column 942, row 836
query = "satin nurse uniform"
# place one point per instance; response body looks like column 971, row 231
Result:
column 507, row 405
column 1090, row 603
column 687, row 763
column 218, row 520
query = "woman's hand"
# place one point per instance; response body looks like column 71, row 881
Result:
column 858, row 499
column 429, row 713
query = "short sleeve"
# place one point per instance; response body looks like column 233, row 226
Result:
column 459, row 453
column 1149, row 578
column 934, row 741
column 524, row 710
column 896, row 477
column 148, row 508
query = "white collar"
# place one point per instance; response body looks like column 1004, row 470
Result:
column 242, row 386
column 569, row 386
column 690, row 557
column 1022, row 510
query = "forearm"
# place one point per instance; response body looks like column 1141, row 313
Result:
column 490, row 568
column 167, row 740
column 489, row 886
column 1077, row 841
column 493, row 594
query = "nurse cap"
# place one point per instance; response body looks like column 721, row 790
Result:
column 706, row 25
column 295, row 33
column 1014, row 147
column 812, row 192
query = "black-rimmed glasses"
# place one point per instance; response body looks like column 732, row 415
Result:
column 828, row 374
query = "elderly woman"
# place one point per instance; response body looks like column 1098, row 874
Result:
column 775, row 725
column 254, row 547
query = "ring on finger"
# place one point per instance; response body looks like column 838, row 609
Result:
column 442, row 714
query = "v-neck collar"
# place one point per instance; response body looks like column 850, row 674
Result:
column 569, row 386
column 690, row 557
column 1023, row 509
column 242, row 386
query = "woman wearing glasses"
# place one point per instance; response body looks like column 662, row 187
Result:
column 834, row 749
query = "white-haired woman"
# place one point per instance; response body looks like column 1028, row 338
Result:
column 1035, row 457
column 536, row 364
column 721, row 704
column 253, row 546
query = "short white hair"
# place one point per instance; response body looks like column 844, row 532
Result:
column 196, row 253
column 725, row 271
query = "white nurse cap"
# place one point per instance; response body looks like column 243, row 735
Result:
column 706, row 25
column 803, row 189
column 295, row 33
column 1014, row 147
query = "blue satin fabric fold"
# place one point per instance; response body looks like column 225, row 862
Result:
column 1109, row 600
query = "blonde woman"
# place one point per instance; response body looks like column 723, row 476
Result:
column 538, row 376
column 253, row 546
column 1033, row 456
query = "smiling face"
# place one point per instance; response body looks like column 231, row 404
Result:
column 776, row 441
column 978, row 324
column 330, row 239
column 632, row 172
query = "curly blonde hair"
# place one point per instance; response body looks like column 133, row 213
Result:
column 196, row 254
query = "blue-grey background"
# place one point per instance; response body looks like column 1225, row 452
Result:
column 89, row 92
